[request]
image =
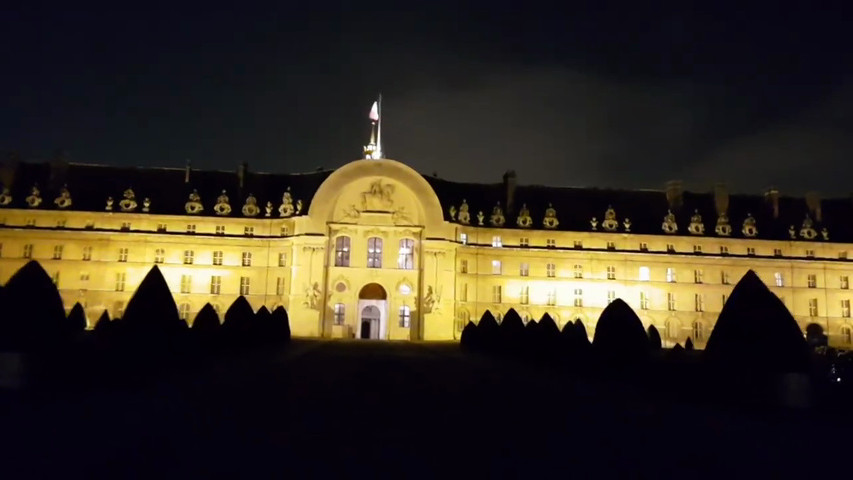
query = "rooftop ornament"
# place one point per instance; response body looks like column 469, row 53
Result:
column 64, row 198
column 222, row 206
column 286, row 209
column 34, row 199
column 749, row 229
column 807, row 230
column 464, row 216
column 194, row 206
column 669, row 226
column 696, row 226
column 723, row 228
column 5, row 197
column 610, row 223
column 550, row 221
column 128, row 203
column 524, row 220
column 250, row 209
column 497, row 218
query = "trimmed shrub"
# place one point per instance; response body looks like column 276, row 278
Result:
column 581, row 337
column 655, row 342
column 77, row 319
column 620, row 338
column 34, row 316
column 470, row 339
column 151, row 312
column 239, row 322
column 281, row 324
column 512, row 331
column 207, row 320
column 262, row 327
column 688, row 344
column 488, row 332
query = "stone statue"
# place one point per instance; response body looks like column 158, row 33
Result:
column 5, row 197
column 128, row 203
column 669, row 226
column 627, row 224
column 429, row 300
column 268, row 209
column 452, row 212
column 298, row 207
column 524, row 220
column 222, row 206
column 792, row 232
column 824, row 233
column 497, row 219
column 250, row 208
column 480, row 218
column 593, row 222
column 696, row 226
column 807, row 230
column 749, row 229
column 146, row 205
column 723, row 228
column 109, row 206
column 550, row 221
column 194, row 204
column 312, row 295
column 34, row 199
column 610, row 223
column 464, row 216
column 286, row 209
column 64, row 198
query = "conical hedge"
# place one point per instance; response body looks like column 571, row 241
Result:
column 239, row 320
column 281, row 323
column 151, row 311
column 263, row 325
column 688, row 344
column 77, row 318
column 103, row 321
column 619, row 334
column 655, row 342
column 488, row 331
column 33, row 315
column 470, row 339
column 512, row 330
column 580, row 332
column 548, row 327
column 207, row 320
column 756, row 332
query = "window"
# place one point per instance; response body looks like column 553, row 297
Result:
column 247, row 259
column 644, row 247
column 846, row 334
column 284, row 231
column 161, row 228
column 750, row 251
column 55, row 278
column 406, row 256
column 524, row 269
column 552, row 297
column 578, row 244
column 777, row 252
column 463, row 238
column 31, row 222
column 699, row 301
column 87, row 254
column 159, row 255
column 186, row 283
column 611, row 245
column 120, row 280
column 249, row 231
column 184, row 311
column 670, row 248
column 724, row 250
column 611, row 272
column 842, row 255
column 122, row 254
column 340, row 313
column 845, row 282
column 90, row 225
column 279, row 286
column 217, row 257
column 463, row 266
column 812, row 307
column 697, row 276
column 578, row 271
column 698, row 331
column 812, row 279
column 523, row 242
column 125, row 226
column 644, row 301
column 780, row 281
column 551, row 243
column 405, row 317
column 496, row 241
column 215, row 284
column 463, row 292
column 496, row 294
column 697, row 248
column 462, row 320
column 191, row 228
column 524, row 295
column 670, row 301
column 244, row 285
column 374, row 252
column 578, row 297
column 644, row 274
column 810, row 253
column 61, row 223
column 220, row 229
column 724, row 277
column 611, row 295
column 57, row 252
column 28, row 250
column 189, row 256
column 282, row 259
column 496, row 267
column 84, row 276
column 845, row 308
column 670, row 275
column 551, row 270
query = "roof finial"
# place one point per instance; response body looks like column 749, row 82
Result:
column 373, row 150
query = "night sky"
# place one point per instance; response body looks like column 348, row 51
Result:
column 586, row 96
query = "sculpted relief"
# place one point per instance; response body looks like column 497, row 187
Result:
column 376, row 196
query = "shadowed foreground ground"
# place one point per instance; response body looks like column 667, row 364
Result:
column 396, row 409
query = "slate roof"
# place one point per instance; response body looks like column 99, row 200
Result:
column 90, row 185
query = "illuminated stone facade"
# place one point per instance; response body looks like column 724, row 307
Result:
column 375, row 249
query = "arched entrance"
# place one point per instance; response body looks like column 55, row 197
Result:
column 372, row 312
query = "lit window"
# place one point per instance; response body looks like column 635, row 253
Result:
column 842, row 255
column 342, row 246
column 189, row 257
column 125, row 226
column 462, row 320
column 644, row 301
column 406, row 256
column 810, row 253
column 186, row 283
column 578, row 244
column 724, row 250
column 524, row 269
column 282, row 259
column 249, row 231
column 217, row 257
column 845, row 308
column 496, row 294
column 670, row 301
column 780, row 281
column 611, row 272
column 57, row 252
column 611, row 245
column 812, row 279
column 463, row 238
column 28, row 250
column 644, row 274
column 812, row 307
column 523, row 242
column 247, row 259
column 551, row 270
column 777, row 252
column 463, row 292
column 496, row 241
column 220, row 229
column 551, row 243
column 340, row 313
column 90, row 225
column 161, row 227
column 644, row 247
column 184, row 311
column 524, row 295
column 750, row 251
column 845, row 282
column 611, row 295
column 374, row 252
column 244, row 285
column 578, row 271
column 724, row 277
column 463, row 266
column 699, row 301
column 578, row 297
column 496, row 267
column 84, row 276
column 670, row 275
column 284, row 231
column 697, row 248
column 215, row 284
column 191, row 228
column 846, row 334
column 87, row 254
column 697, row 276
column 120, row 281
column 698, row 331
column 670, row 248
column 159, row 255
column 552, row 297
column 61, row 223
column 279, row 286
column 122, row 254
column 31, row 222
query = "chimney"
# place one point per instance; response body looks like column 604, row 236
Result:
column 509, row 186
column 187, row 171
column 58, row 170
column 813, row 202
column 241, row 173
column 721, row 198
column 772, row 196
column 674, row 191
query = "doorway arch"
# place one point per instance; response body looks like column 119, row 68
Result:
column 372, row 312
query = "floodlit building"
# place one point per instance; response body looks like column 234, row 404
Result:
column 375, row 249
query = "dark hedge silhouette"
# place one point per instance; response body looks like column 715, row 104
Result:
column 488, row 332
column 620, row 338
column 281, row 323
column 470, row 339
column 103, row 324
column 207, row 320
column 755, row 331
column 33, row 313
column 512, row 332
column 77, row 319
column 580, row 333
column 263, row 326
column 151, row 313
column 655, row 342
column 239, row 322
column 815, row 336
column 548, row 336
column 688, row 344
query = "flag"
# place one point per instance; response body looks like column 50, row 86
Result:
column 374, row 111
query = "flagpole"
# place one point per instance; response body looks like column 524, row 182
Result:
column 379, row 128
